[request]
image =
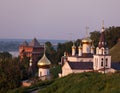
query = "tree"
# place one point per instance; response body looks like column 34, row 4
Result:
column 51, row 52
column 9, row 75
column 112, row 35
column 95, row 37
column 5, row 55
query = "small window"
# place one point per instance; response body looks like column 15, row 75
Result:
column 106, row 62
column 102, row 62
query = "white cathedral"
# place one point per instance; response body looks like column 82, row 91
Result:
column 87, row 60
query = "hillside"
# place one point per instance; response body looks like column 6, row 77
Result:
column 85, row 83
column 115, row 52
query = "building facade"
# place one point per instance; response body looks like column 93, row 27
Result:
column 86, row 59
column 44, row 68
column 31, row 50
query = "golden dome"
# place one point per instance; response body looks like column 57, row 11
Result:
column 73, row 47
column 44, row 61
column 80, row 47
column 87, row 39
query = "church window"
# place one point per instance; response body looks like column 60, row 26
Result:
column 102, row 51
column 102, row 62
column 96, row 63
column 106, row 62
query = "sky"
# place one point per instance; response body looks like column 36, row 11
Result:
column 56, row 19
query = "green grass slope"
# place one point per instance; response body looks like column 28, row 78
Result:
column 85, row 83
column 115, row 52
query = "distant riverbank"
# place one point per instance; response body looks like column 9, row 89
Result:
column 13, row 44
column 14, row 53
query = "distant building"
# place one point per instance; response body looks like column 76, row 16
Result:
column 32, row 50
column 87, row 60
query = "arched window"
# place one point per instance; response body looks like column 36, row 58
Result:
column 102, row 62
column 106, row 62
column 102, row 51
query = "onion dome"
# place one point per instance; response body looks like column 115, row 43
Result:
column 34, row 43
column 73, row 47
column 86, row 40
column 44, row 61
column 80, row 47
column 25, row 43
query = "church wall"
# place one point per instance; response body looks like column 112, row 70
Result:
column 43, row 72
column 86, row 48
column 101, row 62
column 80, row 71
column 75, row 59
column 66, row 69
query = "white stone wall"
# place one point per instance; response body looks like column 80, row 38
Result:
column 79, row 52
column 86, row 48
column 66, row 69
column 77, row 59
column 92, row 50
column 43, row 72
column 80, row 71
column 73, row 51
column 98, row 59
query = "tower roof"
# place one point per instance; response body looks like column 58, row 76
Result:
column 80, row 46
column 25, row 43
column 73, row 46
column 44, row 61
column 34, row 42
column 102, row 42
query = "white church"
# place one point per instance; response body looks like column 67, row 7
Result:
column 44, row 67
column 87, row 60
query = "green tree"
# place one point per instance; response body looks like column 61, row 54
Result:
column 5, row 55
column 112, row 35
column 9, row 75
column 51, row 52
column 95, row 37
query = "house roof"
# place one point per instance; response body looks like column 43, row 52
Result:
column 81, row 65
column 25, row 43
column 102, row 41
column 34, row 42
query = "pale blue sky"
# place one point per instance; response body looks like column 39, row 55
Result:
column 56, row 19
